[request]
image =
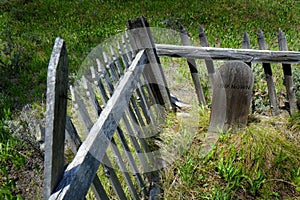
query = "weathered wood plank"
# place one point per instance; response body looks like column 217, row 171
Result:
column 137, row 122
column 108, row 62
column 142, row 39
column 115, row 149
column 121, row 136
column 116, row 60
column 212, row 75
column 86, row 162
column 287, row 71
column 246, row 55
column 75, row 142
column 98, row 82
column 193, row 68
column 123, row 55
column 128, row 53
column 269, row 76
column 87, row 123
column 92, row 96
column 246, row 44
column 57, row 91
column 81, row 109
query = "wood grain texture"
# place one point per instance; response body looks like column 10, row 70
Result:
column 246, row 55
column 142, row 39
column 269, row 76
column 246, row 44
column 287, row 71
column 87, row 160
column 57, row 90
column 193, row 68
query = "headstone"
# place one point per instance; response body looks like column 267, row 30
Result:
column 238, row 81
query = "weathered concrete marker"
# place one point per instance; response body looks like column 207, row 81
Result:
column 238, row 83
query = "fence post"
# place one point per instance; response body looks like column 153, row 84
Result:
column 57, row 89
column 269, row 75
column 193, row 68
column 142, row 38
column 287, row 71
column 246, row 44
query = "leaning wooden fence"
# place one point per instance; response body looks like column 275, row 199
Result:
column 116, row 108
column 128, row 87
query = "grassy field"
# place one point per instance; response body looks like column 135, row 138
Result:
column 27, row 33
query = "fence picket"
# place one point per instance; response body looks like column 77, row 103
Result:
column 57, row 90
column 287, row 71
column 193, row 68
column 135, row 118
column 121, row 137
column 246, row 44
column 116, row 61
column 74, row 141
column 139, row 30
column 115, row 149
column 81, row 109
column 124, row 57
column 269, row 75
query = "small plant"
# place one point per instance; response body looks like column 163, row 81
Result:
column 9, row 157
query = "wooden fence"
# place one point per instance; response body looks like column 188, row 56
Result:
column 115, row 107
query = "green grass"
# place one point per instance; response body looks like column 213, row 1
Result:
column 9, row 158
column 259, row 162
column 28, row 30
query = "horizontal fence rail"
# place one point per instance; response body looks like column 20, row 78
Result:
column 246, row 55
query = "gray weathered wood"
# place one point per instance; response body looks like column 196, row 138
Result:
column 213, row 79
column 269, row 75
column 87, row 124
column 121, row 136
column 246, row 44
column 98, row 82
column 246, row 55
column 75, row 142
column 193, row 68
column 91, row 95
column 142, row 39
column 57, row 91
column 204, row 43
column 81, row 109
column 108, row 62
column 238, row 82
column 115, row 149
column 123, row 55
column 116, row 60
column 87, row 160
column 287, row 71
column 135, row 119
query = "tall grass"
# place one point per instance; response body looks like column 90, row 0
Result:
column 27, row 33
